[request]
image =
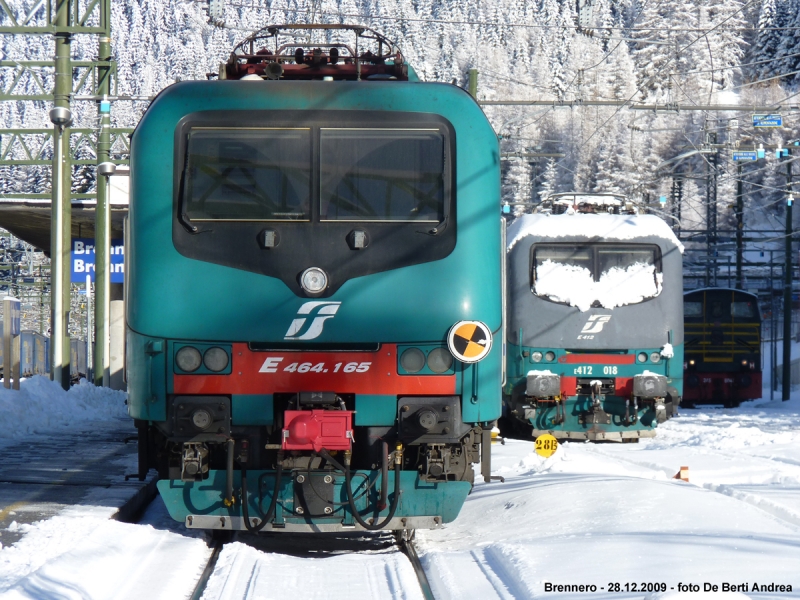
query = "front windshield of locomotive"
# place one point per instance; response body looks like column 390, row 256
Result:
column 267, row 174
column 596, row 275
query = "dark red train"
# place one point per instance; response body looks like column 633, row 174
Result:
column 722, row 351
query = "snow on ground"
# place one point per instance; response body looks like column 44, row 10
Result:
column 41, row 405
column 81, row 554
column 600, row 514
column 244, row 572
column 592, row 514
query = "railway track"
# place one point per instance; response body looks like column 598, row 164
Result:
column 319, row 546
column 406, row 544
column 207, row 571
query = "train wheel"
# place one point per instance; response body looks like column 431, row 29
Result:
column 732, row 403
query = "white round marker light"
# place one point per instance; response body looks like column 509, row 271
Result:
column 314, row 280
column 188, row 359
column 215, row 359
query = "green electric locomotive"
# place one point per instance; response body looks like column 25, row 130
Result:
column 595, row 311
column 314, row 289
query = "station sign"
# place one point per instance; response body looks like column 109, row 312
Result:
column 83, row 261
column 745, row 155
column 767, row 121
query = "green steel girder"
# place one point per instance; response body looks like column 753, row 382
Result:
column 42, row 16
column 35, row 147
column 87, row 78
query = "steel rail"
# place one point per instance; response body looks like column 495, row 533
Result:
column 206, row 574
column 407, row 547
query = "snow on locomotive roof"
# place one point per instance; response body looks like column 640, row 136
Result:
column 599, row 199
column 610, row 227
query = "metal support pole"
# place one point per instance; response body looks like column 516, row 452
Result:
column 61, row 117
column 66, row 254
column 676, row 201
column 774, row 331
column 739, row 226
column 102, row 227
column 787, row 292
column 89, row 344
column 7, row 340
column 473, row 83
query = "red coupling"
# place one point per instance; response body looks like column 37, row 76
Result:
column 317, row 429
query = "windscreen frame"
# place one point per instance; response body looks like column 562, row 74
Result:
column 595, row 270
column 328, row 245
column 317, row 121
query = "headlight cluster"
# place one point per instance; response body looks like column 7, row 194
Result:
column 655, row 357
column 189, row 359
column 537, row 356
column 439, row 360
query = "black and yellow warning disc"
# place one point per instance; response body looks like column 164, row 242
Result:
column 469, row 341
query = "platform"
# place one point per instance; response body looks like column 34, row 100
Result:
column 44, row 475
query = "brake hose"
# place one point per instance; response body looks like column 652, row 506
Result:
column 349, row 491
column 273, row 503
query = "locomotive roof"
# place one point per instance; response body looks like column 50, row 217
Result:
column 592, row 227
column 720, row 289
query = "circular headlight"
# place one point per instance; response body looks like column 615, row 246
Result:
column 188, row 359
column 655, row 357
column 201, row 418
column 215, row 359
column 412, row 360
column 550, row 356
column 440, row 360
column 314, row 280
column 642, row 357
column 536, row 356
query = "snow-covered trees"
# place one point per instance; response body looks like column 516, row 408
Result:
column 679, row 51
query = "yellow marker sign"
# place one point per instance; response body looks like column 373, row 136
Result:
column 469, row 341
column 546, row 445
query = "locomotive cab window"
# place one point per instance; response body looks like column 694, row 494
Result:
column 247, row 174
column 382, row 175
column 600, row 275
column 744, row 311
column 692, row 310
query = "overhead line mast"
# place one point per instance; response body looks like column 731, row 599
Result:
column 63, row 19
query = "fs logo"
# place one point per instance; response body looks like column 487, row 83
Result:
column 320, row 310
column 595, row 324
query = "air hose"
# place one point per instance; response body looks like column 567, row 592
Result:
column 349, row 490
column 273, row 503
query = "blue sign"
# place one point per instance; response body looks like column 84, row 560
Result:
column 767, row 121
column 83, row 260
column 745, row 155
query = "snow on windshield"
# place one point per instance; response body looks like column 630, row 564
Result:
column 574, row 285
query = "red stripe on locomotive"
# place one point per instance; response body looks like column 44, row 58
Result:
column 266, row 373
column 598, row 359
